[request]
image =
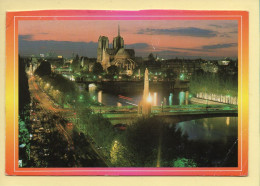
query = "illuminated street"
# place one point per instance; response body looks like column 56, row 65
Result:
column 53, row 114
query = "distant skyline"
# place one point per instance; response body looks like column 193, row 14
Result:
column 165, row 38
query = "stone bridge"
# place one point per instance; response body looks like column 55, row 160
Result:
column 169, row 114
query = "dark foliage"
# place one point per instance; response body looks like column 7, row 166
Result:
column 24, row 94
column 113, row 70
column 97, row 69
column 43, row 69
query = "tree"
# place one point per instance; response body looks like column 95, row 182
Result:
column 170, row 74
column 113, row 70
column 183, row 162
column 43, row 69
column 214, row 83
column 151, row 57
column 58, row 63
column 65, row 89
column 97, row 68
column 24, row 145
column 24, row 94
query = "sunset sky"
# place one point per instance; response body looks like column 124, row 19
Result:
column 167, row 39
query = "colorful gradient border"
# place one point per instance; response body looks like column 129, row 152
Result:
column 11, row 153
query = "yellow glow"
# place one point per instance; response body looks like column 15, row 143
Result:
column 228, row 121
column 155, row 98
column 114, row 152
column 149, row 98
column 100, row 96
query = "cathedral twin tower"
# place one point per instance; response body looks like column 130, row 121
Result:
column 118, row 55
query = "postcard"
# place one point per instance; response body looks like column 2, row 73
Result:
column 130, row 93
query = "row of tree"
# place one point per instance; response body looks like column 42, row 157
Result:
column 24, row 114
column 214, row 83
column 61, row 89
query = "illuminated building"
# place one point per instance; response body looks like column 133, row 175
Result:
column 117, row 55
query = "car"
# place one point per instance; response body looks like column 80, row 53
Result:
column 69, row 124
column 120, row 127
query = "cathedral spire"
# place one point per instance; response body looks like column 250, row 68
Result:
column 118, row 30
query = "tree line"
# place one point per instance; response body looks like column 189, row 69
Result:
column 214, row 83
column 24, row 114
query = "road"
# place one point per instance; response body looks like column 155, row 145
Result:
column 42, row 97
column 51, row 109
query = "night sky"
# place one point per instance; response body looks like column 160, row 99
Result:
column 167, row 39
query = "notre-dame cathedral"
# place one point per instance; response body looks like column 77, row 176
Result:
column 118, row 55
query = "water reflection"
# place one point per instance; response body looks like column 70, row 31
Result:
column 181, row 97
column 228, row 121
column 100, row 96
column 211, row 143
column 170, row 99
column 186, row 97
column 157, row 97
column 210, row 129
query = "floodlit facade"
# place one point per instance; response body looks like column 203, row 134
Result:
column 117, row 55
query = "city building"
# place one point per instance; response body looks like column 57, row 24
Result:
column 117, row 55
column 87, row 63
column 225, row 61
column 179, row 66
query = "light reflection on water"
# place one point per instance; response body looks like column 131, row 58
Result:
column 181, row 98
column 159, row 97
column 210, row 129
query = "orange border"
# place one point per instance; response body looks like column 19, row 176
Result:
column 12, row 19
